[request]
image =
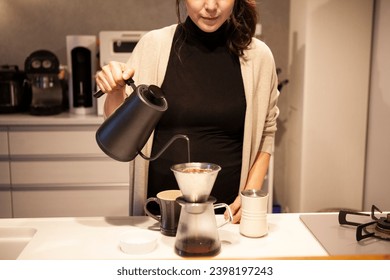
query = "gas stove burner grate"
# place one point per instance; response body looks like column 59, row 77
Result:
column 378, row 228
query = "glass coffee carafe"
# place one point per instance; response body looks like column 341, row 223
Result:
column 197, row 233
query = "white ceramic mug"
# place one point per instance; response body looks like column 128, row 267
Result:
column 254, row 213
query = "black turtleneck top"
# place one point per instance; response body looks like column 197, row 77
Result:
column 206, row 101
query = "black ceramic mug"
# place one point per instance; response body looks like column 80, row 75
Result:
column 169, row 211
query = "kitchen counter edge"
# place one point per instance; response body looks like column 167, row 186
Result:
column 65, row 118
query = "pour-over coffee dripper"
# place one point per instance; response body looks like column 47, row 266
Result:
column 196, row 179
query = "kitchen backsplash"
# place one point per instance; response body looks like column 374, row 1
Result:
column 27, row 26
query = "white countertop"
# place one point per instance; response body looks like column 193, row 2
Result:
column 98, row 238
column 65, row 118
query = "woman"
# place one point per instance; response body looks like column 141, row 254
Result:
column 221, row 88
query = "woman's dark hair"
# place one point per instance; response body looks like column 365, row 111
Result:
column 241, row 25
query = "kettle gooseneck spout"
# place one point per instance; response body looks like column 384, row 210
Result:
column 173, row 139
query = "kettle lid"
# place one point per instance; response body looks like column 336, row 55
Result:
column 153, row 96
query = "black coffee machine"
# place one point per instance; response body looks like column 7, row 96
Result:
column 15, row 93
column 42, row 68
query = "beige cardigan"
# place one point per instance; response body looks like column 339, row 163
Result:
column 150, row 60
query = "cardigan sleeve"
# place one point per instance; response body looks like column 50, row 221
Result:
column 260, row 84
column 270, row 124
column 267, row 88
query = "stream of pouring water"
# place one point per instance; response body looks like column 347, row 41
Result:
column 188, row 149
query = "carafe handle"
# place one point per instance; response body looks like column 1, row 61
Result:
column 230, row 215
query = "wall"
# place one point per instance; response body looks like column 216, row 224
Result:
column 26, row 26
column 377, row 189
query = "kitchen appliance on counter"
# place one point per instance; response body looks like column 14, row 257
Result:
column 81, row 57
column 42, row 70
column 117, row 45
column 15, row 92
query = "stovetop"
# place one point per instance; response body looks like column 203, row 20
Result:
column 378, row 227
column 341, row 239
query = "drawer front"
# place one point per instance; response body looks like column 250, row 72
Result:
column 73, row 141
column 69, row 172
column 3, row 143
column 52, row 202
column 4, row 173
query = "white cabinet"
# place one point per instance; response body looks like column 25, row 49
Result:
column 70, row 202
column 58, row 170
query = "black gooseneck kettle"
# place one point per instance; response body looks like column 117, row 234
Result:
column 123, row 134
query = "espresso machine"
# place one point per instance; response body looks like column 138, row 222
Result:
column 42, row 70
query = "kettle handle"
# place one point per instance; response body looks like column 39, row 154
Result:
column 129, row 82
column 230, row 215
